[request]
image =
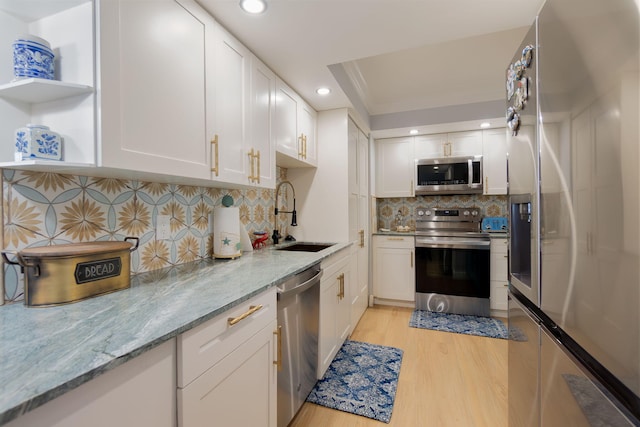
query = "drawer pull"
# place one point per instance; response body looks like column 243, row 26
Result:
column 252, row 309
column 278, row 334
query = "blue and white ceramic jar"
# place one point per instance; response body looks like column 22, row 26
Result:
column 32, row 57
column 37, row 142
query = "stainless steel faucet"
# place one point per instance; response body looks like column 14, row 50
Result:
column 294, row 216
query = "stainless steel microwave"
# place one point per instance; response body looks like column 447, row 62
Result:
column 449, row 175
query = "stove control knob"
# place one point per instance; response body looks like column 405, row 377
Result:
column 474, row 213
column 420, row 213
column 428, row 213
column 465, row 213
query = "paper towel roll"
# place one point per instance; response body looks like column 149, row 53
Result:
column 226, row 233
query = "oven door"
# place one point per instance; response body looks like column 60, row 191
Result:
column 452, row 274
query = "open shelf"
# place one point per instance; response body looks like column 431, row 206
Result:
column 41, row 90
column 42, row 165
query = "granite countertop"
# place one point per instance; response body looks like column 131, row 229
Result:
column 45, row 352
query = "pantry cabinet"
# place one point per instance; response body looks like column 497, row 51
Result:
column 295, row 129
column 394, row 267
column 335, row 308
column 498, row 274
column 394, row 167
column 227, row 362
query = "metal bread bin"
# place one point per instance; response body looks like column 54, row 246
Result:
column 62, row 274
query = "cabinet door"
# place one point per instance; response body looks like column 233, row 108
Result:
column 286, row 120
column 465, row 143
column 494, row 161
column 394, row 174
column 263, row 93
column 232, row 100
column 498, row 280
column 154, row 59
column 308, row 133
column 240, row 390
column 327, row 338
column 430, row 146
column 394, row 268
column 140, row 392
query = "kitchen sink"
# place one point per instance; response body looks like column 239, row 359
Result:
column 306, row 247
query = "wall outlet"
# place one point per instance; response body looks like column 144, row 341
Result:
column 163, row 227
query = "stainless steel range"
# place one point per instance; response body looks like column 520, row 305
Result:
column 452, row 261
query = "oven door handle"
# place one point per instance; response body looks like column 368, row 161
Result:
column 455, row 244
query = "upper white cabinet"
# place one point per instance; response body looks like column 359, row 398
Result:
column 494, row 160
column 394, row 167
column 295, row 129
column 65, row 104
column 454, row 144
column 154, row 92
column 243, row 152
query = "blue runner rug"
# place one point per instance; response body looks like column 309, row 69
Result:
column 362, row 380
column 459, row 323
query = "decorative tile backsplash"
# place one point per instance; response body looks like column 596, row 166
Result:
column 401, row 211
column 48, row 208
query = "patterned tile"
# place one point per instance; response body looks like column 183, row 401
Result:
column 41, row 209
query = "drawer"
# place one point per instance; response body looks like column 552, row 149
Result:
column 396, row 242
column 205, row 345
column 334, row 259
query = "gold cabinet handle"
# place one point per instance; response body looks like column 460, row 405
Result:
column 251, row 162
column 486, row 184
column 301, row 145
column 214, row 142
column 361, row 238
column 396, row 238
column 304, row 146
column 278, row 334
column 252, row 309
column 411, row 259
column 258, row 166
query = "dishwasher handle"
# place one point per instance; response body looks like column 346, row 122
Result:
column 300, row 287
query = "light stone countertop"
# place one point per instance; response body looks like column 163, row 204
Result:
column 45, row 352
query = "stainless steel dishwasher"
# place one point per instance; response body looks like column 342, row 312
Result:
column 298, row 318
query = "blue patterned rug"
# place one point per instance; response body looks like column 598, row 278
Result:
column 459, row 324
column 362, row 380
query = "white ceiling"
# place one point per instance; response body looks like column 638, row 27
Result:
column 399, row 55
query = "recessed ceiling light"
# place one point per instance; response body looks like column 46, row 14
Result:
column 323, row 91
column 253, row 6
column 413, row 132
column 485, row 125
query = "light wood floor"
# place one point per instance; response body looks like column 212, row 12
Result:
column 445, row 380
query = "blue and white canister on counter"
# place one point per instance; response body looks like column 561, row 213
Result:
column 37, row 142
column 32, row 57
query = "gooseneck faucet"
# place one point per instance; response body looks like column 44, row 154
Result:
column 294, row 216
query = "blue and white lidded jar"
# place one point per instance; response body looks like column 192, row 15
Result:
column 37, row 142
column 32, row 57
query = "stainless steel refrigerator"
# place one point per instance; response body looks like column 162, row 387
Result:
column 573, row 109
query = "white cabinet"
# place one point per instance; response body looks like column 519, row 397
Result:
column 295, row 129
column 140, row 392
column 243, row 152
column 226, row 364
column 66, row 104
column 494, row 160
column 335, row 308
column 454, row 144
column 498, row 275
column 358, row 152
column 394, row 167
column 154, row 87
column 394, row 267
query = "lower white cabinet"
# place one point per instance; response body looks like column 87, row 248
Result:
column 498, row 278
column 141, row 392
column 394, row 267
column 226, row 370
column 335, row 308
